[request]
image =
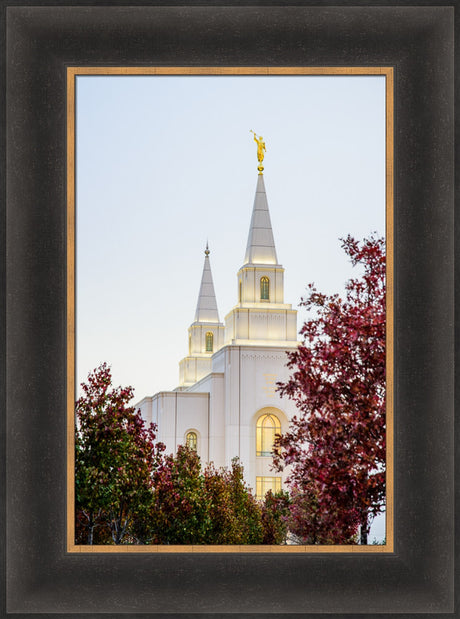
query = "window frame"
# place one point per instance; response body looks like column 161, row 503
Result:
column 261, row 441
column 189, row 434
column 209, row 337
column 262, row 481
column 264, row 288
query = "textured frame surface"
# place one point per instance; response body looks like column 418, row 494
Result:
column 42, row 577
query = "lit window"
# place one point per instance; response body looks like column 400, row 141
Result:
column 240, row 292
column 209, row 341
column 191, row 440
column 264, row 484
column 264, row 289
column 267, row 427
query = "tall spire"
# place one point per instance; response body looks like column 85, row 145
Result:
column 206, row 308
column 261, row 245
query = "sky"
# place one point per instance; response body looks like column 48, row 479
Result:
column 167, row 163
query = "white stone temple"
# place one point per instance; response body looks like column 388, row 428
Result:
column 226, row 404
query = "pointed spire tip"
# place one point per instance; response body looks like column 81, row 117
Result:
column 206, row 309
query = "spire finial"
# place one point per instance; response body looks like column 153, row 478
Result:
column 260, row 150
column 206, row 251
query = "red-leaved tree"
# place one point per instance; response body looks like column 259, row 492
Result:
column 336, row 443
column 115, row 458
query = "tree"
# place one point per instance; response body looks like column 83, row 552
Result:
column 191, row 506
column 275, row 517
column 178, row 513
column 128, row 491
column 115, row 458
column 235, row 514
column 336, row 443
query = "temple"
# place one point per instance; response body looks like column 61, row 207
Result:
column 226, row 404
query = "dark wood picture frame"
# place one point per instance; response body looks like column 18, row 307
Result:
column 41, row 42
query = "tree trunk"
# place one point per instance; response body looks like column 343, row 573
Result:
column 90, row 530
column 117, row 526
column 364, row 531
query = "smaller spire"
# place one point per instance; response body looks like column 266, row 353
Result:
column 206, row 308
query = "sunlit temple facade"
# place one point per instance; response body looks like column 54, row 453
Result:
column 226, row 404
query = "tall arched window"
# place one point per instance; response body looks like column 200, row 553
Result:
column 209, row 341
column 264, row 288
column 191, row 440
column 267, row 426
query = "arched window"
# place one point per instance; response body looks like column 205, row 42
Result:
column 267, row 426
column 209, row 341
column 240, row 291
column 264, row 484
column 264, row 288
column 191, row 440
column 189, row 343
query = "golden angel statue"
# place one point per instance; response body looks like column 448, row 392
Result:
column 260, row 150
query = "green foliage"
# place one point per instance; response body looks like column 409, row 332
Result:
column 115, row 456
column 178, row 513
column 235, row 514
column 128, row 492
column 194, row 507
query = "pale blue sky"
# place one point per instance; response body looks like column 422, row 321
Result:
column 165, row 163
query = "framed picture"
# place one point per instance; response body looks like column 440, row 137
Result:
column 338, row 143
column 47, row 45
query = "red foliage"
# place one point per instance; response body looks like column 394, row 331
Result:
column 115, row 457
column 336, row 444
column 275, row 517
